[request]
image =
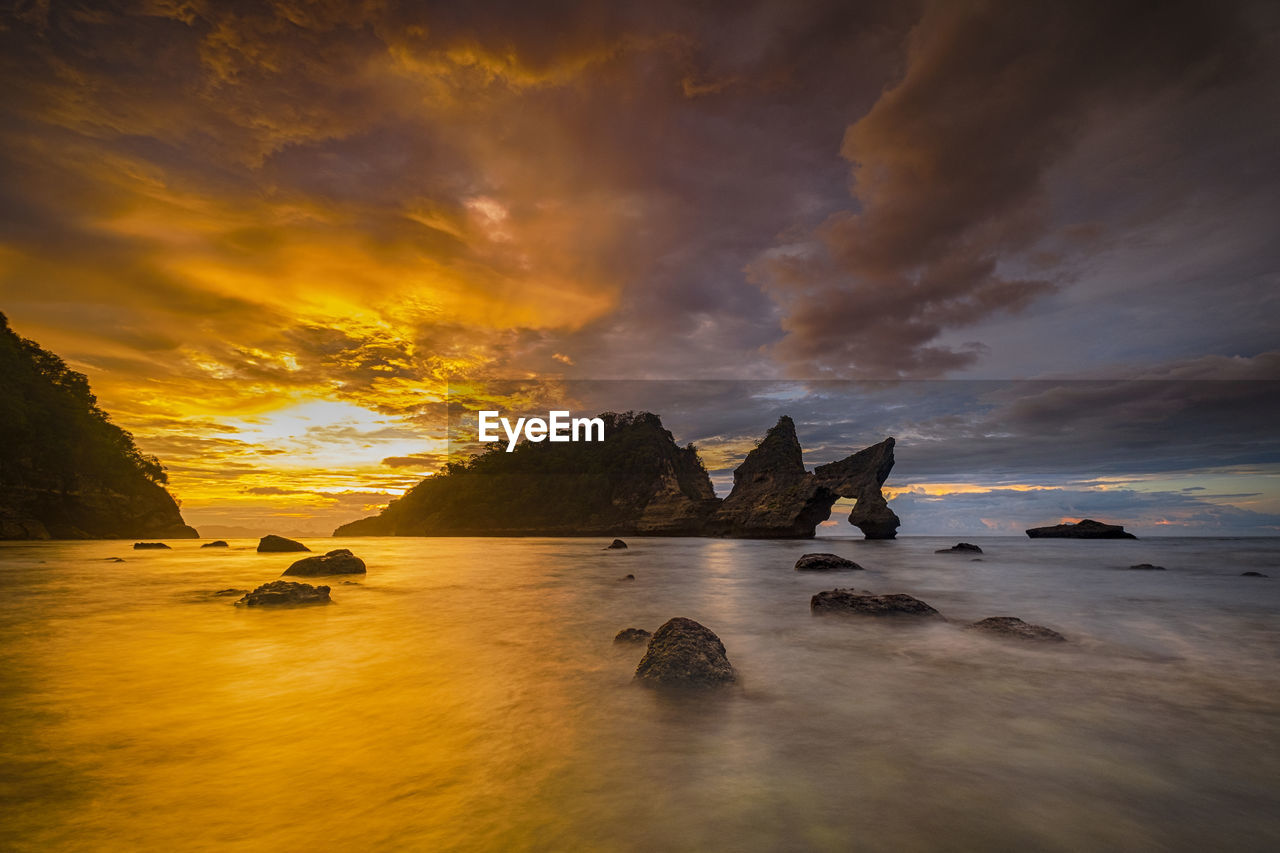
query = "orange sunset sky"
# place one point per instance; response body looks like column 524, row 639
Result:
column 272, row 233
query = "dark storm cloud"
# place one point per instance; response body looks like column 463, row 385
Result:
column 950, row 166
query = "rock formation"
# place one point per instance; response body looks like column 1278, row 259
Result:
column 1147, row 567
column 853, row 601
column 632, row 635
column 66, row 471
column 960, row 548
column 616, row 545
column 683, row 653
column 1012, row 626
column 150, row 546
column 639, row 482
column 286, row 592
column 825, row 563
column 1086, row 529
column 279, row 545
column 219, row 543
column 337, row 562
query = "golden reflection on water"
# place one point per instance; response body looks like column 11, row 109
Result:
column 466, row 696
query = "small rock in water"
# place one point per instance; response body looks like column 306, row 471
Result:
column 114, row 559
column 1253, row 575
column 632, row 635
column 278, row 544
column 231, row 591
column 1147, row 567
column 960, row 548
column 337, row 562
column 825, row 563
column 216, row 544
column 1012, row 626
column 865, row 604
column 286, row 592
column 149, row 546
column 683, row 653
column 616, row 545
column 627, row 578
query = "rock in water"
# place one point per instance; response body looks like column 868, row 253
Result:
column 824, row 563
column 1012, row 626
column 217, row 544
column 616, row 545
column 337, row 562
column 1253, row 575
column 286, row 592
column 1147, row 567
column 278, row 544
column 632, row 635
column 960, row 548
column 230, row 591
column 866, row 604
column 1086, row 529
column 683, row 653
column 150, row 546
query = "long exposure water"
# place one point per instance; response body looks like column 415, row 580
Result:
column 466, row 695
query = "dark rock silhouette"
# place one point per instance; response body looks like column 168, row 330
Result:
column 683, row 653
column 150, row 546
column 632, row 635
column 639, row 482
column 1147, row 567
column 852, row 601
column 231, row 591
column 1253, row 575
column 66, row 471
column 1012, row 626
column 278, row 544
column 337, row 562
column 825, row 563
column 1085, row 529
column 216, row 544
column 286, row 592
column 616, row 545
column 960, row 548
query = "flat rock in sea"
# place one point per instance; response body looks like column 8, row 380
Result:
column 1253, row 575
column 683, row 653
column 150, row 546
column 230, row 591
column 286, row 592
column 616, row 545
column 1147, row 567
column 114, row 559
column 216, row 544
column 278, row 544
column 627, row 578
column 825, row 563
column 1012, row 626
column 860, row 603
column 1086, row 529
column 632, row 635
column 337, row 562
column 960, row 548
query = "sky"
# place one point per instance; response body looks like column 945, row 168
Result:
column 1035, row 242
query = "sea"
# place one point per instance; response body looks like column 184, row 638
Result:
column 467, row 694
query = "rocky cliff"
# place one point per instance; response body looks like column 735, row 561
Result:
column 66, row 471
column 639, row 482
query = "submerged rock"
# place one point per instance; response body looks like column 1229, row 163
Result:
column 337, row 562
column 825, row 563
column 286, row 592
column 114, row 559
column 216, row 544
column 632, row 635
column 1253, row 575
column 960, row 548
column 616, row 545
column 865, row 604
column 278, row 544
column 150, row 546
column 1012, row 626
column 231, row 591
column 1147, row 567
column 1085, row 529
column 683, row 653
column 627, row 578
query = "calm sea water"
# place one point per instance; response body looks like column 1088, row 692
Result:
column 466, row 695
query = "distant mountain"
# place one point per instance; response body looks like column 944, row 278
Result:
column 66, row 471
column 638, row 481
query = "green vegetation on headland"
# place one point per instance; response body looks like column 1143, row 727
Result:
column 637, row 481
column 66, row 471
